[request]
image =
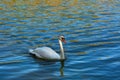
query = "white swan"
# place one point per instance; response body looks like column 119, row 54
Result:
column 48, row 53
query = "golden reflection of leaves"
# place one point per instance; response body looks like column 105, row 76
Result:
column 33, row 2
column 74, row 2
column 22, row 2
column 53, row 2
column 1, row 8
column 74, row 41
column 9, row 3
column 100, row 43
column 58, row 8
column 95, row 16
column 81, row 53
column 36, row 2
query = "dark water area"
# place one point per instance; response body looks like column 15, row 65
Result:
column 91, row 28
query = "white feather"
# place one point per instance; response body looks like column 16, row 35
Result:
column 45, row 52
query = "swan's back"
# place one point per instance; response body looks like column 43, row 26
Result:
column 45, row 52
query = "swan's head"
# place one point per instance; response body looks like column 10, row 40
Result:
column 62, row 38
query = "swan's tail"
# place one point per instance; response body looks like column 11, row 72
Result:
column 31, row 51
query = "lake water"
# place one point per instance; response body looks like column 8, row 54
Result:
column 91, row 29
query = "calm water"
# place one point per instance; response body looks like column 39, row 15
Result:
column 91, row 28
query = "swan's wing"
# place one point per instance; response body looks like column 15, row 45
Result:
column 46, row 52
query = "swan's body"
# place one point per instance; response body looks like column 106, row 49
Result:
column 48, row 53
column 45, row 52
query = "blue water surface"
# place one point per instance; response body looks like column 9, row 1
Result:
column 91, row 29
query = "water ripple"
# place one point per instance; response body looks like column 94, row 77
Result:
column 92, row 33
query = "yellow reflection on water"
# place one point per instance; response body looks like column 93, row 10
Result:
column 21, row 2
column 37, row 2
column 53, row 2
column 9, row 3
column 74, row 2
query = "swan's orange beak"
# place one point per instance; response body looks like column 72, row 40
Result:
column 63, row 40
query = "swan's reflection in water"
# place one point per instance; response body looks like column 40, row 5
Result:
column 46, row 63
column 62, row 68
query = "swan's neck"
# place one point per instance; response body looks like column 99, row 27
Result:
column 62, row 50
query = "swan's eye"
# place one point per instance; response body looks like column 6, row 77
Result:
column 63, row 40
